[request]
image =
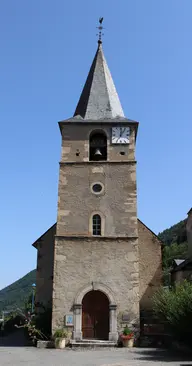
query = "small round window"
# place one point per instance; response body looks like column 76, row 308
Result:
column 97, row 188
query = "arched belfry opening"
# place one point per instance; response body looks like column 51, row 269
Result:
column 98, row 146
column 95, row 315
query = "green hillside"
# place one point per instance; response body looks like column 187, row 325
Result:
column 174, row 238
column 14, row 295
column 176, row 234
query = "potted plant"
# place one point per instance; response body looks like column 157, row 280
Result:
column 127, row 337
column 60, row 336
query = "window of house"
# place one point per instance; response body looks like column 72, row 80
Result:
column 96, row 224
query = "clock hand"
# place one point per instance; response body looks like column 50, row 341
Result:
column 122, row 132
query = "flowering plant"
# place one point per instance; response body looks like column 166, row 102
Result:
column 29, row 324
column 127, row 333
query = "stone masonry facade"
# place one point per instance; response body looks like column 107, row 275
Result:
column 150, row 265
column 150, row 269
column 80, row 259
column 76, row 202
column 44, row 274
column 80, row 263
column 120, row 262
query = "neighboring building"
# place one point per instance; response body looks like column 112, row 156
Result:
column 182, row 269
column 182, row 272
column 99, row 263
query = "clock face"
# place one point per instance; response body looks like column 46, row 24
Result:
column 120, row 135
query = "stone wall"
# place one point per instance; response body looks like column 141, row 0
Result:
column 150, row 270
column 81, row 262
column 77, row 203
column 75, row 138
column 79, row 257
column 44, row 274
column 150, row 265
column 116, row 204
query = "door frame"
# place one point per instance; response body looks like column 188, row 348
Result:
column 77, row 311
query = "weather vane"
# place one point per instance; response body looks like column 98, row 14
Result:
column 100, row 30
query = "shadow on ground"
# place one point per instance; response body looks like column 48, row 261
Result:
column 165, row 355
column 15, row 339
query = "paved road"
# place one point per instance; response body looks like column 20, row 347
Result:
column 15, row 356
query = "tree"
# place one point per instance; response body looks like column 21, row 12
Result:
column 171, row 252
column 175, row 234
column 28, row 301
column 174, row 307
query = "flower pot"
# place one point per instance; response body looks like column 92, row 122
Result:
column 60, row 343
column 128, row 342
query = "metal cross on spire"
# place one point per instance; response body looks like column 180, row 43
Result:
column 100, row 30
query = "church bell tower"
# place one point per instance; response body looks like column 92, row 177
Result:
column 96, row 269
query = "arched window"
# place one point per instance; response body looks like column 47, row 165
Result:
column 98, row 146
column 96, row 224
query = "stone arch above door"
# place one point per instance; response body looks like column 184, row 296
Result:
column 77, row 310
column 97, row 286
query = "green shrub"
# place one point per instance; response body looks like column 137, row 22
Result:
column 174, row 307
column 127, row 331
column 60, row 333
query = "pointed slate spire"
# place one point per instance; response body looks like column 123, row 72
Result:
column 99, row 98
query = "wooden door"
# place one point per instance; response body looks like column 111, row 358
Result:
column 95, row 315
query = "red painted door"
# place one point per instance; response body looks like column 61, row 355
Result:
column 88, row 325
column 95, row 315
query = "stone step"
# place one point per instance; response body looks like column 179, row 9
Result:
column 92, row 343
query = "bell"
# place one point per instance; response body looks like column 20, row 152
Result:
column 97, row 152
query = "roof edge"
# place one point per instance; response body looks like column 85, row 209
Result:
column 36, row 242
column 190, row 211
column 110, row 121
column 79, row 119
column 152, row 232
column 181, row 265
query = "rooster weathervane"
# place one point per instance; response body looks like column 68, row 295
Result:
column 100, row 30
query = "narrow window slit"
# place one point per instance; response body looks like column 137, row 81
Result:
column 96, row 225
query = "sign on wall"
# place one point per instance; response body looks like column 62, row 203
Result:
column 125, row 317
column 69, row 320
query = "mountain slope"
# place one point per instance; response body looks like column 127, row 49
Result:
column 14, row 295
column 175, row 234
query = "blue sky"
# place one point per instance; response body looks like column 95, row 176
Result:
column 46, row 51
